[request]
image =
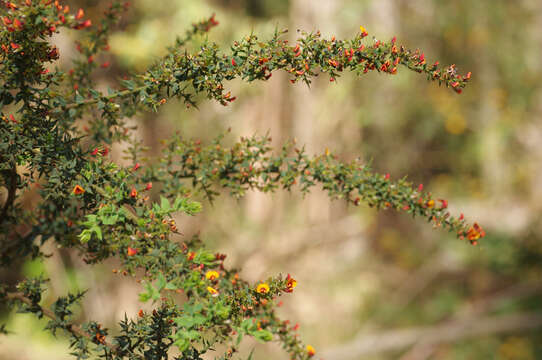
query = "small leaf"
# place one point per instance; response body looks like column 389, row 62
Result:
column 262, row 335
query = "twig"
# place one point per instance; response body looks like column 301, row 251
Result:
column 12, row 189
column 447, row 332
column 72, row 328
column 108, row 97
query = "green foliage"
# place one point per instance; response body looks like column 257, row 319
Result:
column 106, row 210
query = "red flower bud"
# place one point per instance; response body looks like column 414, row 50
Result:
column 131, row 251
column 233, row 62
column 149, row 186
column 136, row 166
column 133, row 193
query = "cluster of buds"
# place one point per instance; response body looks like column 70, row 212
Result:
column 102, row 151
column 171, row 223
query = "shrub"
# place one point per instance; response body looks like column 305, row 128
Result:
column 56, row 131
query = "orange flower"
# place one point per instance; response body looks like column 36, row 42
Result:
column 140, row 313
column 474, row 233
column 78, row 190
column 100, row 338
column 310, row 351
column 80, row 14
column 291, row 283
column 17, row 24
column 131, row 251
column 133, row 193
column 212, row 275
column 212, row 291
column 262, row 288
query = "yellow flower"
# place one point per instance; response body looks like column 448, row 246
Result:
column 310, row 351
column 430, row 203
column 212, row 291
column 362, row 29
column 212, row 275
column 262, row 288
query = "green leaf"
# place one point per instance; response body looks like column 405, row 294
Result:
column 164, row 203
column 110, row 220
column 182, row 344
column 171, row 286
column 161, row 282
column 78, row 98
column 262, row 335
column 204, row 257
column 144, row 297
column 98, row 231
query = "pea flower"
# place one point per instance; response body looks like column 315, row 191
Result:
column 212, row 275
column 212, row 291
column 262, row 288
column 291, row 283
column 310, row 351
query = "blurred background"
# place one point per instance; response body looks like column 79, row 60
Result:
column 372, row 285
